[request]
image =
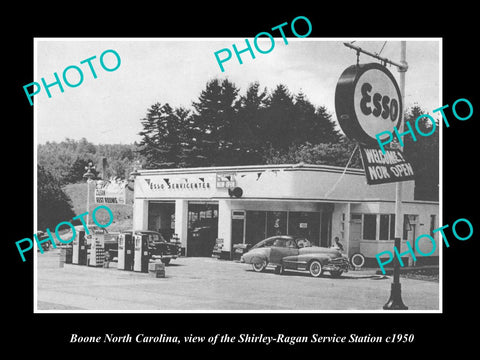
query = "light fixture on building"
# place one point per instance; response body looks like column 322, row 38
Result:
column 235, row 192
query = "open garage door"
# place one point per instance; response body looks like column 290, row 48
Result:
column 202, row 228
column 161, row 218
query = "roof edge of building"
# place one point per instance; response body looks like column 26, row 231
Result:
column 253, row 168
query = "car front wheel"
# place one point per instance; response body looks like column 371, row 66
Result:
column 315, row 268
column 166, row 261
column 259, row 266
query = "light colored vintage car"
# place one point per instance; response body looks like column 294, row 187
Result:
column 287, row 252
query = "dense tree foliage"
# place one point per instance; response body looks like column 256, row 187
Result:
column 423, row 154
column 337, row 154
column 226, row 128
column 77, row 170
column 66, row 160
column 54, row 205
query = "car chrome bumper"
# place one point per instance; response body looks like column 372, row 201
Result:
column 167, row 256
column 337, row 264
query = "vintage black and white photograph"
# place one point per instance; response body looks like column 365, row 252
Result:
column 272, row 174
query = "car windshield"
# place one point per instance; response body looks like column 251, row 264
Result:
column 155, row 238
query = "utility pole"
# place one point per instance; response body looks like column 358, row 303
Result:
column 395, row 301
column 89, row 175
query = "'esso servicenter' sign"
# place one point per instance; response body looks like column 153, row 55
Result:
column 367, row 102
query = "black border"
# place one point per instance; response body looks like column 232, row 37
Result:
column 46, row 334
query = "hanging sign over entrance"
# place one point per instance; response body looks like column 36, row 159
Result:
column 367, row 102
column 384, row 168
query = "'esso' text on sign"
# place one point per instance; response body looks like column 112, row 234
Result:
column 367, row 102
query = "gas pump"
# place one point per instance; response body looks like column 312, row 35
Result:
column 79, row 249
column 142, row 256
column 125, row 252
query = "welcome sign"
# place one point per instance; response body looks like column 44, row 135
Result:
column 385, row 168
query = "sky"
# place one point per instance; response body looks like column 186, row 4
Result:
column 108, row 109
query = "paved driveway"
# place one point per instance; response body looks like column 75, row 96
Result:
column 209, row 284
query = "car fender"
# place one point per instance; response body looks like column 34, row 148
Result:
column 302, row 261
column 307, row 258
column 256, row 256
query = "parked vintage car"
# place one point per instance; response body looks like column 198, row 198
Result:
column 158, row 247
column 288, row 252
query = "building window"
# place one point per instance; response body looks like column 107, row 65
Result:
column 276, row 223
column 433, row 221
column 369, row 227
column 255, row 227
column 356, row 217
column 409, row 224
column 384, row 224
column 387, row 226
column 392, row 226
column 304, row 224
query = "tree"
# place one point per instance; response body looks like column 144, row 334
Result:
column 278, row 128
column 313, row 125
column 77, row 170
column 164, row 131
column 337, row 154
column 423, row 154
column 54, row 205
column 212, row 130
column 248, row 125
column 326, row 127
column 305, row 120
column 67, row 159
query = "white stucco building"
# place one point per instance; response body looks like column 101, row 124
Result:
column 314, row 201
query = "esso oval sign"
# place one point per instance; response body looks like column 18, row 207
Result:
column 367, row 102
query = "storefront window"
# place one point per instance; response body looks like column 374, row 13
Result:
column 304, row 224
column 387, row 226
column 276, row 223
column 369, row 227
column 255, row 227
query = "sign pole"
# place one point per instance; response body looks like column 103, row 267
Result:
column 89, row 175
column 354, row 107
column 395, row 301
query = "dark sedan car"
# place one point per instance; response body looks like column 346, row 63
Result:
column 287, row 252
column 158, row 247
